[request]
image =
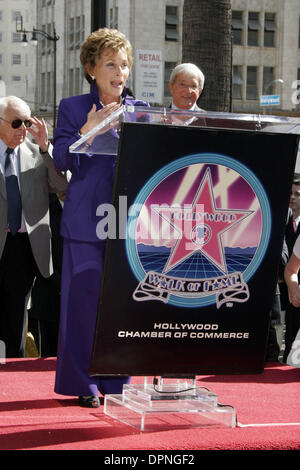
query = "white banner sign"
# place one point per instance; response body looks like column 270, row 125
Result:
column 149, row 76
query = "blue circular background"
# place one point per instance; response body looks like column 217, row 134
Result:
column 205, row 158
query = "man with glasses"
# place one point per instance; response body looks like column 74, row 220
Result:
column 27, row 173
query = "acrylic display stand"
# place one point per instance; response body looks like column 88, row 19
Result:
column 180, row 404
column 170, row 403
column 103, row 139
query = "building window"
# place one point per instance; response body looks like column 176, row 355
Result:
column 237, row 27
column 71, row 82
column 16, row 37
column 113, row 17
column 46, row 45
column 15, row 15
column 48, row 89
column 268, row 77
column 237, row 82
column 253, row 28
column 43, row 41
column 77, row 81
column 16, row 59
column 16, row 78
column 298, row 89
column 169, row 66
column 270, row 29
column 171, row 24
column 251, row 91
column 71, row 33
column 49, row 45
column 43, row 88
column 79, row 34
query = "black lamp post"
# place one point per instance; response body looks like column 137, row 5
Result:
column 54, row 38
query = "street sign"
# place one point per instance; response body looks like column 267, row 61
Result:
column 269, row 100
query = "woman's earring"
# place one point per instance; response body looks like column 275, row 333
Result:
column 92, row 77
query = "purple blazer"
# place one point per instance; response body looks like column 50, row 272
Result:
column 92, row 176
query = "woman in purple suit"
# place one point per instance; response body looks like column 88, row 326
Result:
column 106, row 57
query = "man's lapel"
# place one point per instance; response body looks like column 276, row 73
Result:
column 25, row 159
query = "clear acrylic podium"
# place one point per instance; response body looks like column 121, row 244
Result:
column 179, row 403
column 104, row 138
column 171, row 402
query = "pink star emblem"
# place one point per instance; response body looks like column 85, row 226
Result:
column 200, row 226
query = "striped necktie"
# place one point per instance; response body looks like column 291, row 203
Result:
column 14, row 203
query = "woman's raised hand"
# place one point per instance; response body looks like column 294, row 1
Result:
column 95, row 117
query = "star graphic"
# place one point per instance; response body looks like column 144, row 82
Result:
column 200, row 226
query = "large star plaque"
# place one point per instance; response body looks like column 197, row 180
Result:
column 200, row 226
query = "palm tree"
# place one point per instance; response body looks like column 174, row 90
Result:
column 207, row 43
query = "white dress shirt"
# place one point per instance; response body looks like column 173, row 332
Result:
column 179, row 109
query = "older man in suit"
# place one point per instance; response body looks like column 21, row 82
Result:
column 27, row 173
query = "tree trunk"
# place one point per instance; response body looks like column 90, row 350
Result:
column 207, row 42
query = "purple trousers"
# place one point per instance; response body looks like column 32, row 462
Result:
column 81, row 278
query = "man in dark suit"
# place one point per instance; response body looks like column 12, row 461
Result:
column 294, row 216
column 27, row 173
column 43, row 316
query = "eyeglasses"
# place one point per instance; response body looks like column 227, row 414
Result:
column 18, row 122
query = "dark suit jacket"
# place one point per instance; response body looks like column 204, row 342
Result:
column 290, row 234
column 288, row 244
column 45, row 295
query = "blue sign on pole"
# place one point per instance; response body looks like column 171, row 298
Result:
column 269, row 100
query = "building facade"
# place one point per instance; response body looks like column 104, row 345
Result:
column 154, row 29
column 266, row 54
column 265, row 39
column 70, row 21
column 17, row 62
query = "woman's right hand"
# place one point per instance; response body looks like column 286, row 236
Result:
column 95, row 117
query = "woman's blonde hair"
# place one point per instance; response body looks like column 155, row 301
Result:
column 99, row 41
